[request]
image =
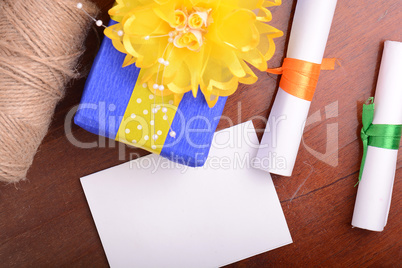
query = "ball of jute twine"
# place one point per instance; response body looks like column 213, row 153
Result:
column 40, row 44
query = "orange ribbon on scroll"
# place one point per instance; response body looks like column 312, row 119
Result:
column 299, row 78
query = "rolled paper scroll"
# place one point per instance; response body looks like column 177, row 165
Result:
column 308, row 38
column 375, row 188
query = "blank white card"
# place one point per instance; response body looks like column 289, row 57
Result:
column 154, row 213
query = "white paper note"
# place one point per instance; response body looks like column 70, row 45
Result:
column 374, row 194
column 154, row 213
column 308, row 38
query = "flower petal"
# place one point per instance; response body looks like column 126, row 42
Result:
column 267, row 45
column 250, row 77
column 255, row 58
column 246, row 36
column 145, row 23
column 182, row 81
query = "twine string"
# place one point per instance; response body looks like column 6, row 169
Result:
column 40, row 44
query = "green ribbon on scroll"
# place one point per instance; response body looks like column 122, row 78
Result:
column 380, row 135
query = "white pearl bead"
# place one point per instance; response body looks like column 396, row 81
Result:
column 79, row 5
column 164, row 110
column 99, row 23
column 172, row 134
column 161, row 60
column 120, row 33
column 146, row 37
column 161, row 88
column 166, row 63
column 156, row 86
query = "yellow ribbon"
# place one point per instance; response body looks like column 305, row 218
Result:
column 146, row 123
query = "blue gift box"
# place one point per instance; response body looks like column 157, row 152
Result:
column 110, row 96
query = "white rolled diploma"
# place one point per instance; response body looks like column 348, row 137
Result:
column 308, row 38
column 375, row 188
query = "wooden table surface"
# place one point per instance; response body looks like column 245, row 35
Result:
column 45, row 221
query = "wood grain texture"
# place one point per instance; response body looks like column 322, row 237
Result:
column 45, row 221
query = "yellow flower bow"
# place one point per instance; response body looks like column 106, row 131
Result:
column 183, row 45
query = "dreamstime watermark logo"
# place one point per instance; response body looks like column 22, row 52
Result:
column 105, row 120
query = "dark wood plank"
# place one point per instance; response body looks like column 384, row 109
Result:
column 45, row 221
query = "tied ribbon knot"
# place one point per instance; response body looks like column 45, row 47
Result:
column 377, row 135
column 299, row 77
